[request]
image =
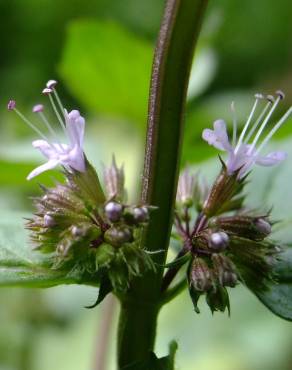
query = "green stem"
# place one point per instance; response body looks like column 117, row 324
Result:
column 170, row 74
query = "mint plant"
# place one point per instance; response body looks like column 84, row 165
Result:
column 87, row 233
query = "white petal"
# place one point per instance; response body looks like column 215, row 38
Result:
column 212, row 139
column 221, row 133
column 45, row 148
column 271, row 159
column 75, row 127
column 44, row 167
column 75, row 159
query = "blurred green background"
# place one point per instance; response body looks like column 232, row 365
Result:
column 100, row 52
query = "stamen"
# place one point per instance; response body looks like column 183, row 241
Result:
column 39, row 110
column 257, row 97
column 234, row 123
column 254, row 127
column 30, row 124
column 57, row 114
column 275, row 128
column 60, row 104
column 263, row 125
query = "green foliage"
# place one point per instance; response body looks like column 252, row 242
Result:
column 278, row 297
column 20, row 266
column 111, row 74
column 104, row 289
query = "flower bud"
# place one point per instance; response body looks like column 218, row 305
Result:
column 136, row 215
column 263, row 227
column 224, row 270
column 113, row 211
column 201, row 276
column 218, row 241
column 221, row 197
column 117, row 236
column 140, row 214
column 114, row 179
column 255, row 228
column 210, row 240
column 49, row 220
column 218, row 300
column 185, row 189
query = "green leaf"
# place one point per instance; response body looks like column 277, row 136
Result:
column 154, row 363
column 107, row 68
column 278, row 296
column 104, row 290
column 20, row 265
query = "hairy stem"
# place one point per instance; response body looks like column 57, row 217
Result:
column 170, row 74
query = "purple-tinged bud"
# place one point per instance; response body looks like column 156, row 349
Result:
column 218, row 300
column 218, row 241
column 210, row 241
column 186, row 188
column 141, row 214
column 117, row 236
column 11, row 104
column 51, row 84
column 38, row 108
column 77, row 231
column 47, row 91
column 114, row 179
column 221, row 197
column 113, row 211
column 49, row 220
column 225, row 270
column 254, row 228
column 263, row 227
column 201, row 276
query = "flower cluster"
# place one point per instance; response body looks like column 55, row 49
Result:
column 243, row 153
column 69, row 155
column 227, row 243
column 81, row 225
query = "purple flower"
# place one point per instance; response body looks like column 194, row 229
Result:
column 69, row 155
column 244, row 152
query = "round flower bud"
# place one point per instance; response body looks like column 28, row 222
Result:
column 49, row 220
column 263, row 227
column 77, row 231
column 117, row 236
column 218, row 241
column 113, row 211
column 140, row 214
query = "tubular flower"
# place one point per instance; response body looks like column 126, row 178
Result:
column 243, row 152
column 69, row 155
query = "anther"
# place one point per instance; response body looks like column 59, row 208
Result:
column 38, row 108
column 259, row 96
column 11, row 104
column 270, row 98
column 51, row 84
column 280, row 94
column 47, row 91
